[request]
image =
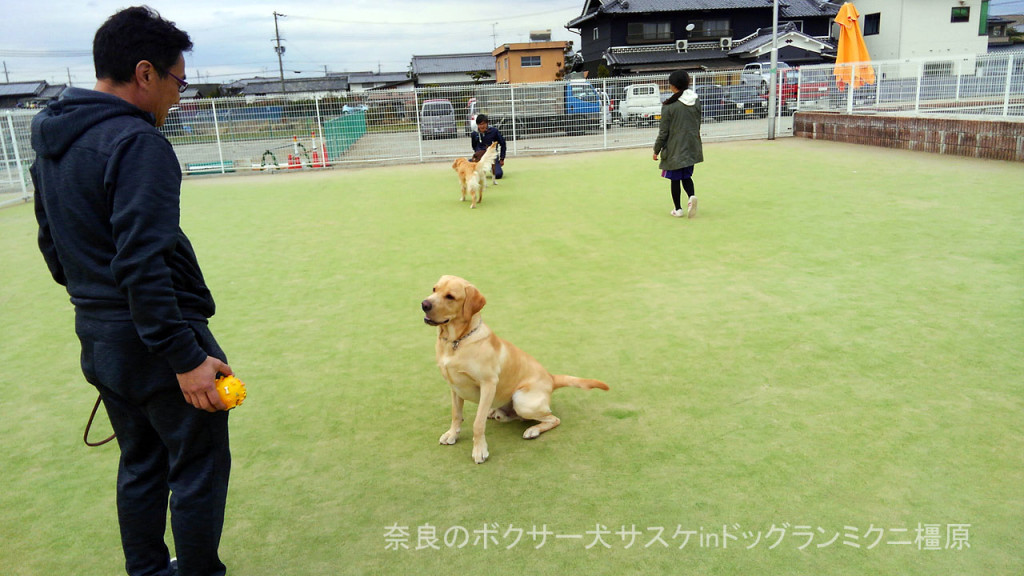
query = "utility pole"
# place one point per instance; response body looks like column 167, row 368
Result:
column 69, row 77
column 773, row 77
column 494, row 34
column 7, row 79
column 280, row 50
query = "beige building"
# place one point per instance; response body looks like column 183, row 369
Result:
column 530, row 62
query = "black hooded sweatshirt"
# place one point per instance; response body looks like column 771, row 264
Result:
column 107, row 202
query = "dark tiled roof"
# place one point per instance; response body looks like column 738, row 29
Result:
column 787, row 8
column 384, row 78
column 808, row 8
column 765, row 38
column 627, row 59
column 449, row 63
column 53, row 91
column 332, row 84
column 22, row 88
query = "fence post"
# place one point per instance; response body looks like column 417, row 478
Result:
column 17, row 157
column 1009, row 82
column 512, row 100
column 850, row 89
column 419, row 127
column 3, row 146
column 216, row 131
column 320, row 130
column 959, row 77
column 605, row 110
column 878, row 87
column 917, row 93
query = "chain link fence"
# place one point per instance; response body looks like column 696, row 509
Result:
column 328, row 130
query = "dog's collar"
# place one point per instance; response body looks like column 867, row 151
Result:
column 455, row 343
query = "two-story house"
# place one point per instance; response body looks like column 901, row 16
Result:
column 916, row 29
column 530, row 61
column 636, row 36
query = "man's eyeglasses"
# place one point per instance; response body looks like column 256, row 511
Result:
column 182, row 85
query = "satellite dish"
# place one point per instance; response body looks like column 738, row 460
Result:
column 690, row 27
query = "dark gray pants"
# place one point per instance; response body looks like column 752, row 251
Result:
column 168, row 449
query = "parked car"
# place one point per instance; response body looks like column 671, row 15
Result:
column 713, row 104
column 759, row 73
column 749, row 101
column 641, row 104
column 353, row 108
column 437, row 119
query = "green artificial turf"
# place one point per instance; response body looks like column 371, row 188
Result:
column 829, row 355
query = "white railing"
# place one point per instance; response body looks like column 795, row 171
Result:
column 989, row 86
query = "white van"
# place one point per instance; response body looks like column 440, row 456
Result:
column 641, row 104
column 437, row 119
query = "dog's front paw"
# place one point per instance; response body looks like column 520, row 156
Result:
column 480, row 451
column 450, row 437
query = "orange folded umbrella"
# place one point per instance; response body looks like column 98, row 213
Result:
column 852, row 62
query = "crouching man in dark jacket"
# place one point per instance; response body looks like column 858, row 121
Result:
column 482, row 139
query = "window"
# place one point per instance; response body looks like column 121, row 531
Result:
column 711, row 29
column 871, row 22
column 529, row 61
column 960, row 14
column 648, row 32
column 595, row 33
column 583, row 92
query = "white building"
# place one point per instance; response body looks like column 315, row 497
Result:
column 916, row 29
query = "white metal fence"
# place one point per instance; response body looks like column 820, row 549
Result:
column 316, row 131
column 16, row 156
column 988, row 85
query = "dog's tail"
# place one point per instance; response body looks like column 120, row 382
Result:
column 562, row 380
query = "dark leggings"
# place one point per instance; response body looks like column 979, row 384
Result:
column 677, row 193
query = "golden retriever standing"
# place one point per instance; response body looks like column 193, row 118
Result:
column 504, row 381
column 472, row 174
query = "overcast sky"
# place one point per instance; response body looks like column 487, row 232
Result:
column 234, row 39
column 50, row 40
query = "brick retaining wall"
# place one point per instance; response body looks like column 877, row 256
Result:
column 997, row 140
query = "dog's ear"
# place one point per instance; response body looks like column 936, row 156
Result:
column 474, row 303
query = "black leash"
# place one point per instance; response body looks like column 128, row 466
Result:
column 88, row 426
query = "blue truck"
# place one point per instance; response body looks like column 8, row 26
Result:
column 572, row 106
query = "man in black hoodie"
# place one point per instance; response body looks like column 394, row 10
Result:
column 107, row 202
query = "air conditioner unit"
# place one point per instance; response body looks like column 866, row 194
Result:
column 725, row 43
column 681, row 45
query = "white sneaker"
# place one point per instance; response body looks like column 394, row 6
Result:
column 677, row 213
column 691, row 207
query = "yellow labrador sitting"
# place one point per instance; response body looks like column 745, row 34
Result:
column 503, row 380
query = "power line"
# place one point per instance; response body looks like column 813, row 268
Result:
column 45, row 53
column 438, row 23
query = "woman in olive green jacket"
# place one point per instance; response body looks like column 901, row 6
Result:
column 679, row 142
